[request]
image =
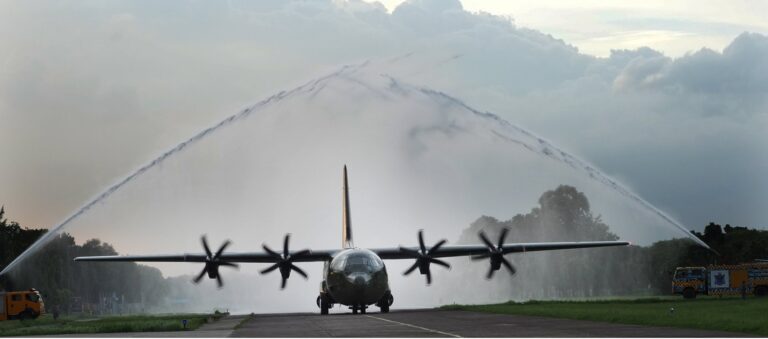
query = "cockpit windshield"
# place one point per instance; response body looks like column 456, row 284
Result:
column 358, row 262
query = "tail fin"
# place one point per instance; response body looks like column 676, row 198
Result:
column 346, row 230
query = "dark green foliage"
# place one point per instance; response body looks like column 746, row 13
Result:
column 71, row 286
column 14, row 239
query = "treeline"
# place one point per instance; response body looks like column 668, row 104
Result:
column 66, row 285
column 564, row 214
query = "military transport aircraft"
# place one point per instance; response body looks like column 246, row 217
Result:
column 352, row 276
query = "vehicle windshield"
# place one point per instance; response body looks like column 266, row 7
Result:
column 33, row 297
column 689, row 274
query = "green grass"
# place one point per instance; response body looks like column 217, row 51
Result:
column 137, row 323
column 708, row 313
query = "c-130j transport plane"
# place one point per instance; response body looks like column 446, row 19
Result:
column 352, row 276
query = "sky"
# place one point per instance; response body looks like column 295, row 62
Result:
column 597, row 27
column 667, row 99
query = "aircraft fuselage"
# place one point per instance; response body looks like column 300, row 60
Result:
column 355, row 277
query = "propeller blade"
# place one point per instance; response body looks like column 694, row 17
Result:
column 230, row 264
column 219, row 282
column 487, row 242
column 285, row 245
column 299, row 271
column 407, row 272
column 282, row 284
column 205, row 246
column 421, row 242
column 480, row 256
column 270, row 269
column 222, row 248
column 200, row 276
column 437, row 246
column 429, row 276
column 270, row 251
column 440, row 262
column 409, row 251
column 502, row 236
column 490, row 273
column 509, row 266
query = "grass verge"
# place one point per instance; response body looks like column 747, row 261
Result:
column 708, row 313
column 136, row 323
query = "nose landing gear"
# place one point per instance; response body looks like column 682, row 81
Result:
column 356, row 308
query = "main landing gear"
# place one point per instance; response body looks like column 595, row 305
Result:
column 385, row 302
column 324, row 304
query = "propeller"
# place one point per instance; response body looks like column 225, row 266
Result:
column 284, row 261
column 212, row 262
column 424, row 257
column 496, row 253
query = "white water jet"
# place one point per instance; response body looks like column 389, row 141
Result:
column 386, row 89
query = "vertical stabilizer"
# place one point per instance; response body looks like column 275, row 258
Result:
column 346, row 227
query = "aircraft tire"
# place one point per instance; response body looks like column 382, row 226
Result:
column 362, row 309
column 354, row 309
column 26, row 314
column 384, row 308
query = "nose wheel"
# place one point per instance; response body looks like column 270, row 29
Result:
column 358, row 308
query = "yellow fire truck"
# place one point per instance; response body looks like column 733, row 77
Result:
column 749, row 279
column 21, row 305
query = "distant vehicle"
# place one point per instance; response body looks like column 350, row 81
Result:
column 750, row 278
column 21, row 305
column 353, row 276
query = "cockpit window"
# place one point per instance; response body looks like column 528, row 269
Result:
column 358, row 262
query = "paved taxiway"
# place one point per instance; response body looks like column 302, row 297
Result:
column 436, row 323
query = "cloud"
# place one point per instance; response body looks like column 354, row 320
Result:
column 740, row 70
column 102, row 87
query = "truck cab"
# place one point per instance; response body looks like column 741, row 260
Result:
column 689, row 281
column 21, row 305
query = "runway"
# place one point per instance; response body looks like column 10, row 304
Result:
column 437, row 323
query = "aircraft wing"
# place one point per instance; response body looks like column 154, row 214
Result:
column 244, row 257
column 468, row 250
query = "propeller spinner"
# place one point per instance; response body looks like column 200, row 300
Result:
column 285, row 261
column 212, row 262
column 496, row 253
column 424, row 257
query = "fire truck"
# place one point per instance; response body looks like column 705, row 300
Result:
column 21, row 305
column 749, row 279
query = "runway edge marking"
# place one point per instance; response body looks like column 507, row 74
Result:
column 414, row 326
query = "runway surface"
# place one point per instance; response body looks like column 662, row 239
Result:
column 436, row 323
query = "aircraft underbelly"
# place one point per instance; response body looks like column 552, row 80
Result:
column 347, row 291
